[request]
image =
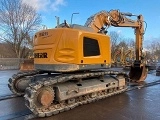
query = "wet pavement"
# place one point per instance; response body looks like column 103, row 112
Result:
column 4, row 76
column 138, row 104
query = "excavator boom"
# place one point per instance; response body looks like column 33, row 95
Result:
column 100, row 21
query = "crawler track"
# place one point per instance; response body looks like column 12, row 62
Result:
column 26, row 114
column 57, row 107
column 16, row 77
column 60, row 106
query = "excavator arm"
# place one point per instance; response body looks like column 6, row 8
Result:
column 100, row 21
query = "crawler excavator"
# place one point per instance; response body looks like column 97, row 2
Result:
column 72, row 65
column 118, row 57
column 128, row 57
column 123, row 58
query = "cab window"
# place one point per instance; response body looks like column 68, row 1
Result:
column 90, row 47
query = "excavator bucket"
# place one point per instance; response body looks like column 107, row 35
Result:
column 27, row 64
column 138, row 73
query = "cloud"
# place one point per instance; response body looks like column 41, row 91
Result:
column 119, row 32
column 149, row 40
column 55, row 5
column 37, row 4
column 43, row 5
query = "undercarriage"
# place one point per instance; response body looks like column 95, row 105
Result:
column 48, row 93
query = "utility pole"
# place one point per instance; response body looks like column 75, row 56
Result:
column 72, row 17
column 57, row 18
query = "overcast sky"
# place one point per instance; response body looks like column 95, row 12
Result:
column 64, row 9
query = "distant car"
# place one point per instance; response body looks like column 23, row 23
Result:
column 158, row 69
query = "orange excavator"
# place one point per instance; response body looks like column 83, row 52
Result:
column 118, row 57
column 128, row 57
column 123, row 58
column 72, row 65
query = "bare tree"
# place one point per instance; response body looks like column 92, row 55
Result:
column 122, row 44
column 115, row 40
column 154, row 50
column 130, row 42
column 5, row 52
column 18, row 22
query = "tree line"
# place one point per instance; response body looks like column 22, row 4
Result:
column 152, row 52
column 19, row 22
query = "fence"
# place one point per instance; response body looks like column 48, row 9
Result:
column 10, row 63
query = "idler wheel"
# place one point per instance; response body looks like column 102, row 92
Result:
column 22, row 84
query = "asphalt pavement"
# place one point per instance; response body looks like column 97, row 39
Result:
column 138, row 104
